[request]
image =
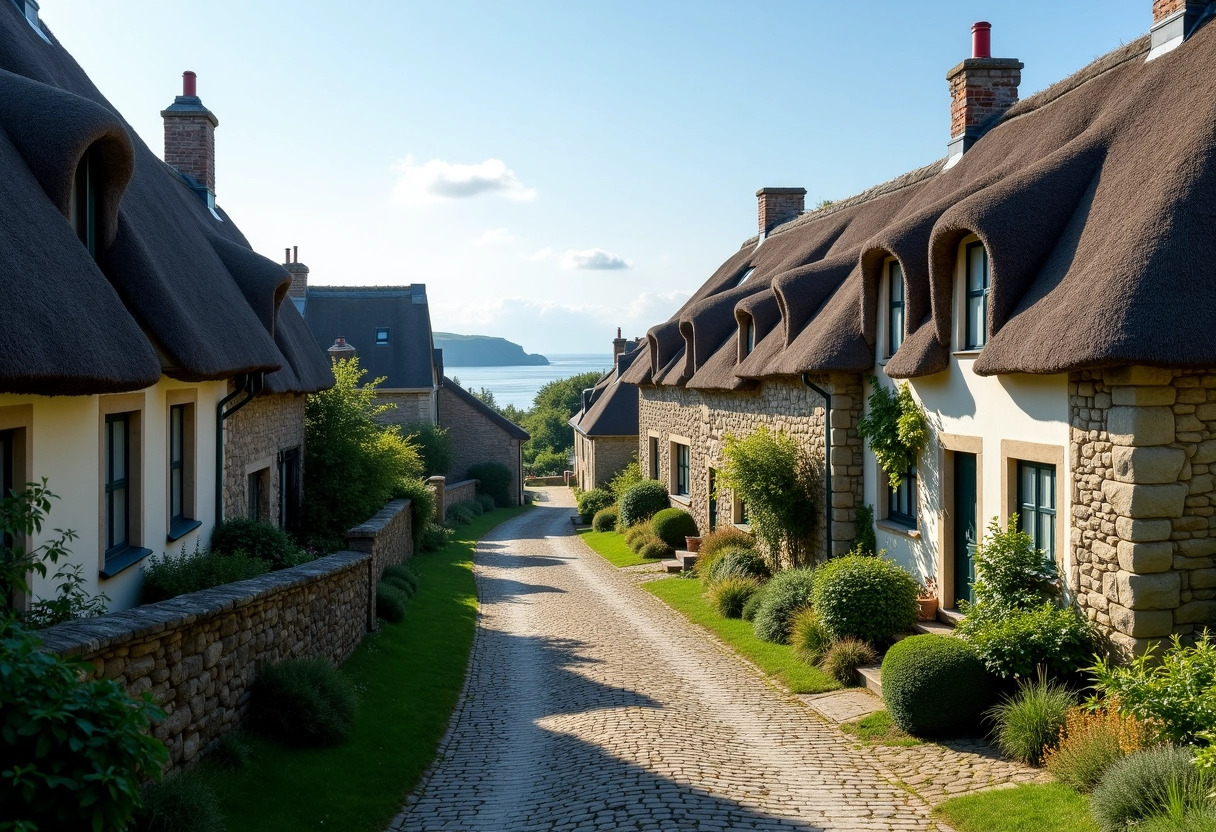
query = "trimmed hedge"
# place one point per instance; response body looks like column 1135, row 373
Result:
column 493, row 479
column 672, row 525
column 604, row 519
column 244, row 535
column 591, row 502
column 935, row 685
column 642, row 502
column 865, row 597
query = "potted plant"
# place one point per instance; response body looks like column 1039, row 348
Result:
column 693, row 544
column 926, row 600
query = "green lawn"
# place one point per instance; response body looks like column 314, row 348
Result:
column 1049, row 807
column 611, row 547
column 878, row 729
column 408, row 676
column 777, row 660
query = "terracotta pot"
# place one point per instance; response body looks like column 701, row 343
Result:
column 693, row 543
column 926, row 609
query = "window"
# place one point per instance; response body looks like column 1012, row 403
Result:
column 739, row 512
column 181, row 471
column 289, row 489
column 895, row 307
column 258, row 494
column 749, row 337
column 976, row 330
column 681, row 455
column 83, row 206
column 653, row 457
column 8, row 441
column 901, row 502
column 745, row 276
column 1037, row 504
column 118, row 484
column 381, row 335
column 713, row 499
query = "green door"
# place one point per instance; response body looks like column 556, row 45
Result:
column 713, row 499
column 965, row 530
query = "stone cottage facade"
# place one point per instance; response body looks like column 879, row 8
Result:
column 606, row 426
column 480, row 434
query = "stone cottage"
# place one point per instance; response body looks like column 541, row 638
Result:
column 1043, row 290
column 606, row 426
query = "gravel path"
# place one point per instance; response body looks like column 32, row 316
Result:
column 590, row 705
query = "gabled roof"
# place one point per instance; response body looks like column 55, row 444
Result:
column 173, row 290
column 610, row 408
column 513, row 430
column 1095, row 199
column 407, row 360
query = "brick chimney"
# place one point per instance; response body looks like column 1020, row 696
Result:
column 299, row 272
column 190, row 135
column 778, row 205
column 619, row 344
column 982, row 88
column 341, row 349
column 1173, row 21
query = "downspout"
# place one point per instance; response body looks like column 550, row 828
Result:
column 251, row 385
column 827, row 464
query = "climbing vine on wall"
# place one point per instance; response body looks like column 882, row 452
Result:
column 896, row 428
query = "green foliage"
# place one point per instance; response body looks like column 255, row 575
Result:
column 729, row 595
column 672, row 525
column 844, row 657
column 167, row 577
column 1029, row 722
column 935, row 685
column 434, row 445
column 487, row 502
column 784, row 595
column 738, row 563
column 865, row 597
column 638, row 536
column 1031, row 807
column 401, row 576
column 182, row 802
column 232, row 752
column 422, row 508
column 865, row 542
column 304, row 702
column 642, row 501
column 493, row 478
column 717, row 543
column 433, row 537
column 656, row 549
column 1139, row 786
column 1090, row 742
column 548, row 464
column 896, row 428
column 629, row 476
column 257, row 539
column 1016, row 644
column 72, row 753
column 590, row 502
column 353, row 464
column 752, row 606
column 390, row 602
column 462, row 513
column 809, row 638
column 71, row 601
column 770, row 473
column 605, row 519
column 548, row 423
column 1010, row 574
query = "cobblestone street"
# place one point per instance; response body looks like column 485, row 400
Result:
column 592, row 706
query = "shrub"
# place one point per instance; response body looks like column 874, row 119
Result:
column 1013, row 645
column 1139, row 785
column 785, row 594
column 182, row 802
column 896, row 428
column 422, row 507
column 390, row 602
column 639, row 535
column 717, row 542
column 590, row 502
column 605, row 519
column 770, row 473
column 402, row 577
column 304, row 702
column 629, row 476
column 752, row 606
column 1010, row 573
column 844, row 657
column 656, row 549
column 642, row 501
column 232, row 752
column 167, row 577
column 935, row 685
column 462, row 513
column 265, row 541
column 809, row 638
column 434, row 537
column 672, row 525
column 549, row 463
column 729, row 596
column 70, row 602
column 738, row 563
column 1029, row 722
column 865, row 597
column 865, row 542
column 1089, row 743
column 434, row 445
column 73, row 753
column 487, row 502
column 493, row 478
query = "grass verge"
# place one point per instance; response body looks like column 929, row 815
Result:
column 776, row 660
column 1037, row 807
column 611, row 547
column 878, row 729
column 408, row 677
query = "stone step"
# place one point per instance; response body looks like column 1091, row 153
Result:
column 951, row 617
column 673, row 566
column 687, row 558
column 936, row 628
column 871, row 677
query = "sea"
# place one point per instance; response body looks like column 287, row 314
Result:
column 518, row 385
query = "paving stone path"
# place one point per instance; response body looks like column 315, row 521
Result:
column 590, row 705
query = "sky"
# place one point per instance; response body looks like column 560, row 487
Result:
column 554, row 170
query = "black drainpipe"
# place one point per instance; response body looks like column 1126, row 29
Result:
column 251, row 385
column 827, row 464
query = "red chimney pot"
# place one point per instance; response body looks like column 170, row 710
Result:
column 189, row 86
column 981, row 40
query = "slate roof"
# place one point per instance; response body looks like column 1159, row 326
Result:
column 610, row 408
column 173, row 290
column 513, row 430
column 1096, row 201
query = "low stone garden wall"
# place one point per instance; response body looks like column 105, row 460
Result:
column 448, row 494
column 461, row 492
column 389, row 538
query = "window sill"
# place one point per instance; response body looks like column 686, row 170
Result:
column 123, row 559
column 681, row 499
column 743, row 527
column 972, row 353
column 180, row 528
column 898, row 528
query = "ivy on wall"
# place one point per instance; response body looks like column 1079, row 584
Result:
column 896, row 428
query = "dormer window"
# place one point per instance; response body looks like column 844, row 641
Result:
column 895, row 307
column 381, row 335
column 745, row 276
column 83, row 209
column 978, row 285
column 749, row 337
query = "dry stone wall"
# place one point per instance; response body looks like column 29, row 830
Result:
column 388, row 537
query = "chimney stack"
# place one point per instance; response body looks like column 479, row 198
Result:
column 1173, row 21
column 779, row 205
column 982, row 88
column 299, row 272
column 618, row 344
column 190, row 135
column 341, row 350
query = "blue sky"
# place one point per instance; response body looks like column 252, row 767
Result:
column 553, row 170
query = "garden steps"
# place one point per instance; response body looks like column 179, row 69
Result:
column 871, row 675
column 682, row 562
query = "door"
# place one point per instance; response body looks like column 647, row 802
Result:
column 713, row 499
column 965, row 526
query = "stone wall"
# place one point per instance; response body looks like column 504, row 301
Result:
column 1143, row 531
column 476, row 438
column 787, row 405
column 411, row 408
column 388, row 537
column 197, row 654
column 253, row 438
column 460, row 492
column 598, row 459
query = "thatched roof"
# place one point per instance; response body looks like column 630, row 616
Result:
column 1094, row 198
column 173, row 289
column 610, row 407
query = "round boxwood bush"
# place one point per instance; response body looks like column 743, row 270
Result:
column 1138, row 786
column 672, row 525
column 401, row 576
column 642, row 501
column 739, row 563
column 865, row 597
column 390, row 602
column 656, row 549
column 590, row 502
column 935, row 685
column 487, row 502
column 604, row 519
column 784, row 595
column 304, row 702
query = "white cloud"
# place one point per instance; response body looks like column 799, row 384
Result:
column 656, row 306
column 495, row 237
column 593, row 258
column 541, row 254
column 437, row 179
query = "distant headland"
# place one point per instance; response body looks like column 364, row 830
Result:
column 483, row 351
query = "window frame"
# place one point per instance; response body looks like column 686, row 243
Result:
column 1035, row 509
column 652, row 450
column 182, row 462
column 895, row 322
column 749, row 336
column 382, row 336
column 971, row 339
column 257, row 494
column 744, row 277
column 289, row 487
column 906, row 496
column 82, row 208
column 681, row 469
